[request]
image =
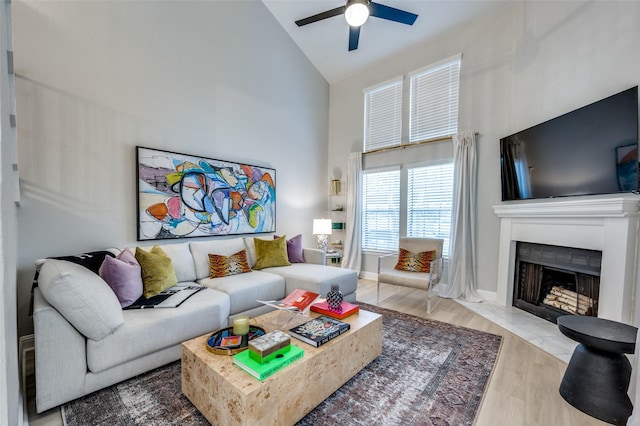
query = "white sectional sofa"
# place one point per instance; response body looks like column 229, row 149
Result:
column 85, row 347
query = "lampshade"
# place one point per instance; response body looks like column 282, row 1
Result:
column 321, row 226
column 357, row 12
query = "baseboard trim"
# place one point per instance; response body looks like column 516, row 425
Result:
column 488, row 296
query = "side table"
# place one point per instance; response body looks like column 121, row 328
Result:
column 597, row 377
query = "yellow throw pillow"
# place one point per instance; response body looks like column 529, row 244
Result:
column 271, row 252
column 415, row 262
column 158, row 273
column 224, row 266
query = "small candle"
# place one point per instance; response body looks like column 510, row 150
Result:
column 241, row 326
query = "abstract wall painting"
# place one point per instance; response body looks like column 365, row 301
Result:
column 182, row 196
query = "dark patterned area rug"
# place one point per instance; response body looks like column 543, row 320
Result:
column 429, row 373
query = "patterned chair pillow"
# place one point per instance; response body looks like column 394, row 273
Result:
column 224, row 266
column 415, row 262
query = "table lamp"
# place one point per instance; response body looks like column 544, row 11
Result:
column 322, row 230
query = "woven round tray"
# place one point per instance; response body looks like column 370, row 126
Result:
column 213, row 342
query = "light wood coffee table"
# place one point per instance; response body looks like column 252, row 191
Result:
column 226, row 395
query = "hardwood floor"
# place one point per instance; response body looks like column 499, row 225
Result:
column 523, row 390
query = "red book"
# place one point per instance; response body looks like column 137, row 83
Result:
column 298, row 300
column 346, row 310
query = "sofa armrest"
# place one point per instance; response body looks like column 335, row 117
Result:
column 314, row 256
column 61, row 361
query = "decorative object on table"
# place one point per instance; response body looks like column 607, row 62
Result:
column 445, row 372
column 319, row 331
column 297, row 300
column 335, row 298
column 263, row 370
column 335, row 186
column 269, row 346
column 216, row 340
column 597, row 378
column 182, row 195
column 346, row 309
column 322, row 230
column 241, row 325
column 241, row 328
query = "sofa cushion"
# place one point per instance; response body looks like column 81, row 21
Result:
column 415, row 262
column 182, row 260
column 251, row 251
column 271, row 253
column 316, row 278
column 200, row 251
column 82, row 297
column 294, row 249
column 158, row 273
column 245, row 289
column 149, row 330
column 224, row 266
column 124, row 276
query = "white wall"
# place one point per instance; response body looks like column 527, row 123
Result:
column 525, row 64
column 218, row 79
column 10, row 402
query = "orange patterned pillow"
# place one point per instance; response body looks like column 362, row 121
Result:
column 415, row 262
column 224, row 266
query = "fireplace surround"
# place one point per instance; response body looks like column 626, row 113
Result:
column 605, row 223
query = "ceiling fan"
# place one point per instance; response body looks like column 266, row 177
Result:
column 356, row 13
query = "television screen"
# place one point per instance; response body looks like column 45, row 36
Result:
column 592, row 150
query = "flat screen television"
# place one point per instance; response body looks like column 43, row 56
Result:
column 592, row 150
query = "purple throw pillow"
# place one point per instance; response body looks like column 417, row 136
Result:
column 124, row 276
column 294, row 249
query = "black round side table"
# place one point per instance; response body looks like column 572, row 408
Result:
column 597, row 377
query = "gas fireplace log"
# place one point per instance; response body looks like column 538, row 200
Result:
column 581, row 306
column 565, row 307
column 572, row 294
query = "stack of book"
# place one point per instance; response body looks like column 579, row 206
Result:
column 319, row 331
column 268, row 354
column 343, row 311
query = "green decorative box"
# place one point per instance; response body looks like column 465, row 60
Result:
column 265, row 348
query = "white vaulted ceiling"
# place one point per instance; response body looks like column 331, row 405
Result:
column 325, row 42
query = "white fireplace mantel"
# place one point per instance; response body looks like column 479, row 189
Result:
column 605, row 223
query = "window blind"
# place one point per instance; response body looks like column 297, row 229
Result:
column 381, row 210
column 429, row 202
column 383, row 115
column 434, row 100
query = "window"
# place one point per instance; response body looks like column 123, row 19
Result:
column 434, row 100
column 383, row 115
column 381, row 210
column 429, row 101
column 429, row 202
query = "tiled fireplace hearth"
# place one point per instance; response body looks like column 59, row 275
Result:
column 608, row 224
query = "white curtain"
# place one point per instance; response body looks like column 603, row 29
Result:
column 462, row 254
column 352, row 256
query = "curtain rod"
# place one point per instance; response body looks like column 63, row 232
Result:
column 406, row 145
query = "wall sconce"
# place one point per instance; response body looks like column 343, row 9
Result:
column 335, row 186
column 322, row 230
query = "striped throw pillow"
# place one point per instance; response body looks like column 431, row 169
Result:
column 224, row 266
column 415, row 262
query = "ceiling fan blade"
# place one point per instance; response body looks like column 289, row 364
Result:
column 320, row 16
column 354, row 36
column 392, row 14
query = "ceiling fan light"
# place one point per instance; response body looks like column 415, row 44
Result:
column 356, row 13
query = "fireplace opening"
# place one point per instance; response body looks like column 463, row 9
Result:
column 551, row 281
